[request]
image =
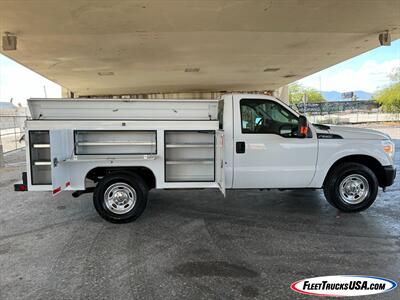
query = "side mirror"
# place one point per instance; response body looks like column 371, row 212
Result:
column 303, row 127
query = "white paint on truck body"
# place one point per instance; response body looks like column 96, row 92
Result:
column 270, row 160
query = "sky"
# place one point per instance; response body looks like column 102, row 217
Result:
column 20, row 83
column 367, row 72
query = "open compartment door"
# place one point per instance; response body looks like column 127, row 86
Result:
column 61, row 148
column 219, row 161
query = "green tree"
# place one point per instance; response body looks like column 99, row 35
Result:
column 297, row 92
column 313, row 96
column 389, row 97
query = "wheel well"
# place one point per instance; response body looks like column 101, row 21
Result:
column 365, row 160
column 145, row 173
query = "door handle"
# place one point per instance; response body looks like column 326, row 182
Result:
column 240, row 147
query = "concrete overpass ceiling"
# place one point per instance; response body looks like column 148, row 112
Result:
column 121, row 47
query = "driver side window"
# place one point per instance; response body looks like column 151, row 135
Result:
column 266, row 116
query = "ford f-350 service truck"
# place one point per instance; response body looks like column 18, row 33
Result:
column 120, row 149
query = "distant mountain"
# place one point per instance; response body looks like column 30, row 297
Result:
column 7, row 105
column 337, row 96
column 361, row 95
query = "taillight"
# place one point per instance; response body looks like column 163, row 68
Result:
column 22, row 188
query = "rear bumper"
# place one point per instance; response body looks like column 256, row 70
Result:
column 389, row 174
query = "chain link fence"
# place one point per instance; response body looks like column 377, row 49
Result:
column 346, row 112
column 12, row 130
column 355, row 117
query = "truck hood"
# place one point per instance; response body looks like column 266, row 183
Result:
column 352, row 132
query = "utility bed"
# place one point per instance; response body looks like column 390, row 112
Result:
column 177, row 140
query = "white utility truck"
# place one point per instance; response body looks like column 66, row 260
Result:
column 120, row 149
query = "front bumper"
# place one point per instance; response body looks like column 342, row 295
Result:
column 389, row 174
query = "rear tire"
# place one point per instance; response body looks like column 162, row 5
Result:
column 351, row 187
column 120, row 197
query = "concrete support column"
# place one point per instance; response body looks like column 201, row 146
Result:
column 65, row 93
column 283, row 93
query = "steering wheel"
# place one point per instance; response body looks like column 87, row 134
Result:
column 258, row 126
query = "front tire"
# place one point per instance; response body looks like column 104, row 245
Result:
column 120, row 197
column 351, row 187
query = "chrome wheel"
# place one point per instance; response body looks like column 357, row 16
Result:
column 354, row 189
column 120, row 198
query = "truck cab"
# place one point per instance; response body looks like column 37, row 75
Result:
column 265, row 149
column 124, row 148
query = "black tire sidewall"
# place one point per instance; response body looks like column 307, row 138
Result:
column 344, row 171
column 141, row 197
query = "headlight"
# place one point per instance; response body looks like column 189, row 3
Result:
column 388, row 147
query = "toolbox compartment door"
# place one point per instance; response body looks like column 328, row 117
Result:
column 219, row 161
column 61, row 148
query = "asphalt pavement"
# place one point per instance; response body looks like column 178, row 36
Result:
column 191, row 244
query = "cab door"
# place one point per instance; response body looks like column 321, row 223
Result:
column 268, row 153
